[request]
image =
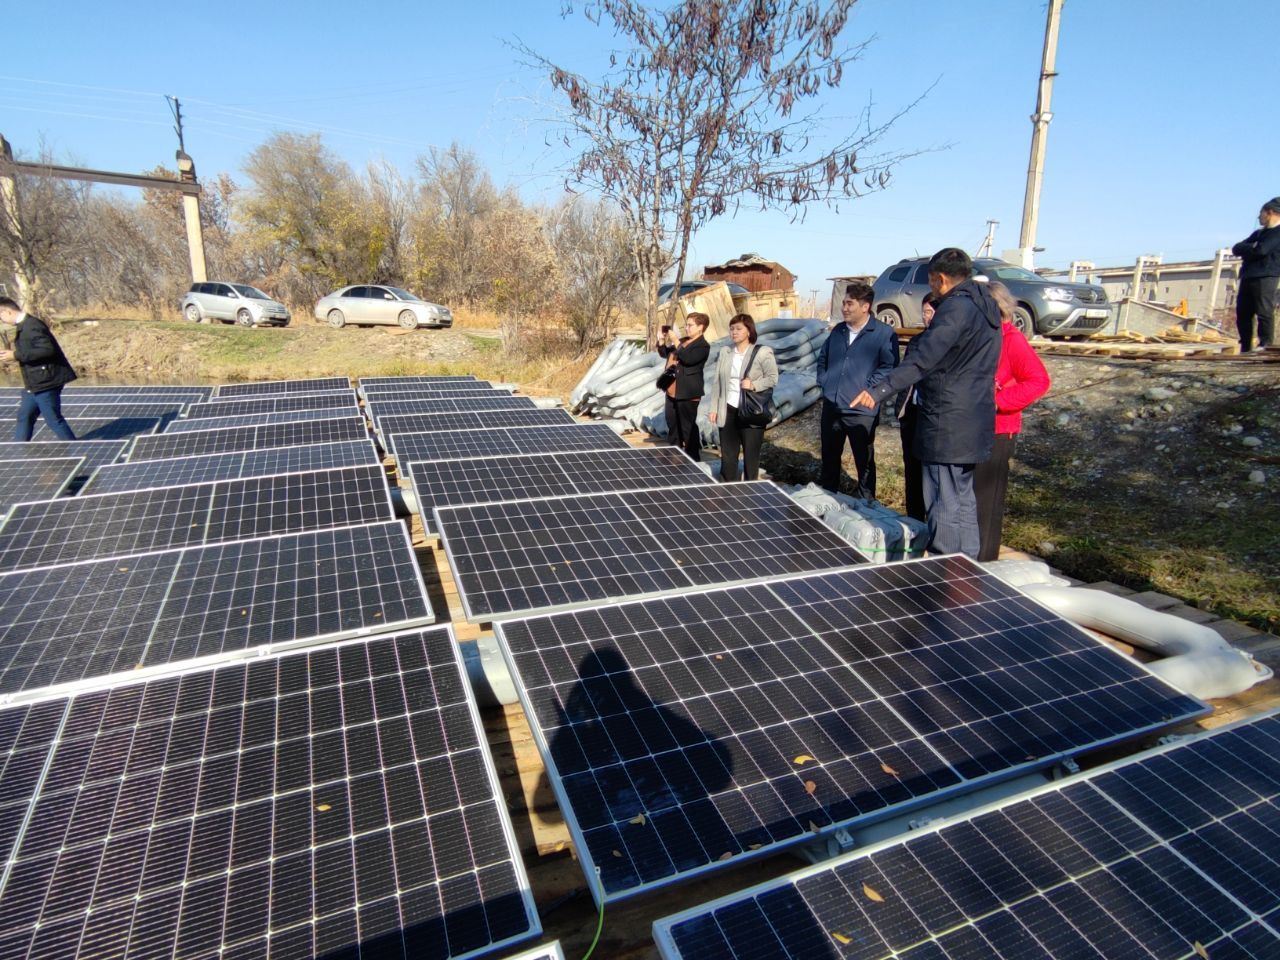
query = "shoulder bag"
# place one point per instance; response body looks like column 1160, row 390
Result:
column 755, row 407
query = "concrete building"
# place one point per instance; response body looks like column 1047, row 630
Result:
column 1208, row 286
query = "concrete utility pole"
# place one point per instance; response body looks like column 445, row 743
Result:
column 1215, row 279
column 1039, row 137
column 989, row 243
column 9, row 210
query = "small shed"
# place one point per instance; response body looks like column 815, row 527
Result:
column 753, row 272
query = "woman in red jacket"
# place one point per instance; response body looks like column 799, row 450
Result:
column 1021, row 380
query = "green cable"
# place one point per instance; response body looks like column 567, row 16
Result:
column 599, row 928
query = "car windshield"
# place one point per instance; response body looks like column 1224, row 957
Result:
column 403, row 294
column 253, row 293
column 1007, row 271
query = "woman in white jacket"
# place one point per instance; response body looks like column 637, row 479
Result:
column 738, row 370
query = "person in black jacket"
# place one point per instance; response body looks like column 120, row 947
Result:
column 45, row 371
column 1259, row 278
column 688, row 358
column 912, row 468
column 953, row 362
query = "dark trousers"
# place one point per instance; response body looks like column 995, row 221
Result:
column 682, row 428
column 990, row 482
column 953, row 510
column 837, row 427
column 47, row 404
column 734, row 436
column 912, row 469
column 1256, row 301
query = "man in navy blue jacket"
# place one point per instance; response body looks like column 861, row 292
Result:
column 859, row 354
column 954, row 364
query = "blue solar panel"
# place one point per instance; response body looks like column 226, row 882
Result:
column 409, row 448
column 479, row 420
column 259, row 419
column 686, row 732
column 1172, row 853
column 232, row 439
column 267, row 388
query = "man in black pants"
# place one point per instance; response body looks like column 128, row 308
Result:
column 45, row 371
column 1259, row 277
column 857, row 355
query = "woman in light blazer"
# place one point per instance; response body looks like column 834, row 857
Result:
column 737, row 370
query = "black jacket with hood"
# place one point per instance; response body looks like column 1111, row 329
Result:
column 953, row 363
column 44, row 365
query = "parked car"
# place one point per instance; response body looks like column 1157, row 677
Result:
column 664, row 291
column 1050, row 308
column 233, row 303
column 362, row 304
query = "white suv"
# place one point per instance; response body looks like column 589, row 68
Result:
column 233, row 303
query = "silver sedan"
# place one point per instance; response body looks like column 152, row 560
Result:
column 363, row 304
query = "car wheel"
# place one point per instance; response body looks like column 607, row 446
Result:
column 244, row 318
column 336, row 319
column 1024, row 321
column 891, row 316
column 407, row 320
column 192, row 313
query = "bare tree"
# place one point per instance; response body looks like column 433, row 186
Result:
column 521, row 265
column 701, row 113
column 457, row 198
column 596, row 264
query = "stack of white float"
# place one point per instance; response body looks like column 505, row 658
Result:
column 880, row 533
column 620, row 384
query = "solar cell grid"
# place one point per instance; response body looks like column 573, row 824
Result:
column 259, row 419
column 516, row 477
column 266, row 388
column 538, row 554
column 379, row 408
column 69, row 530
column 236, row 408
column 101, row 428
column 408, row 448
column 63, row 625
column 229, row 440
column 95, row 453
column 316, row 804
column 1167, row 854
column 149, row 474
column 75, row 391
column 426, row 393
column 373, row 390
column 479, row 420
column 108, row 411
column 36, row 477
column 689, row 731
column 406, row 381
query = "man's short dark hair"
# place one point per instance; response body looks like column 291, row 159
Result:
column 858, row 290
column 8, row 303
column 952, row 262
column 931, row 299
column 1272, row 205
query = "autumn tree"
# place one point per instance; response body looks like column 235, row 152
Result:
column 596, row 264
column 704, row 110
column 458, row 198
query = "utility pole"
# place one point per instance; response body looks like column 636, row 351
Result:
column 1039, row 137
column 190, row 201
column 988, row 243
column 175, row 108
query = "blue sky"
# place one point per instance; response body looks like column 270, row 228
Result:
column 1164, row 137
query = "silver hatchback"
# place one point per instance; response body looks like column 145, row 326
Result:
column 236, row 303
column 365, row 304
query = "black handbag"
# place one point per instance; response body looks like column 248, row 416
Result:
column 666, row 378
column 755, row 407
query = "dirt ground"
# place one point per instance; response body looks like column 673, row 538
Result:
column 1154, row 475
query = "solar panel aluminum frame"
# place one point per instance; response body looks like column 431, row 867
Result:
column 486, row 758
column 549, row 951
column 596, row 886
column 70, row 688
column 431, row 531
column 495, row 618
column 663, row 927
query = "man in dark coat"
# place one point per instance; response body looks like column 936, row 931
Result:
column 1259, row 254
column 857, row 355
column 953, row 363
column 45, row 371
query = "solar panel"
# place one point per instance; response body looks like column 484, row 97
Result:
column 101, row 428
column 36, row 477
column 266, row 388
column 370, row 390
column 439, row 483
column 302, row 401
column 407, row 381
column 687, row 732
column 72, row 529
column 63, row 625
column 478, row 420
column 108, row 411
column 95, row 453
column 340, row 392
column 231, row 439
column 258, row 419
column 149, row 474
column 1171, row 853
column 427, row 393
column 379, row 408
column 326, row 803
column 407, row 448
column 550, row 951
column 76, row 390
column 525, row 555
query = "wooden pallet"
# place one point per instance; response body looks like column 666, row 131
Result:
column 1137, row 351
